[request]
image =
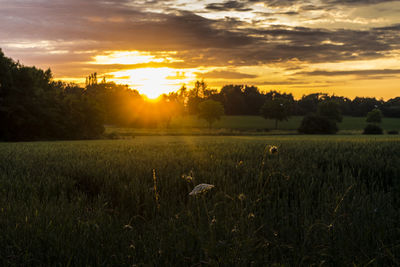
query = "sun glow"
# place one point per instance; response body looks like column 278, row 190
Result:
column 150, row 81
column 134, row 57
column 153, row 82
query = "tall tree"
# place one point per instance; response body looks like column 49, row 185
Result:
column 278, row 109
column 211, row 111
column 331, row 110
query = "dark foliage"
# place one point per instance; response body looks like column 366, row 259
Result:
column 317, row 124
column 360, row 106
column 33, row 107
column 372, row 129
column 393, row 132
column 374, row 116
column 277, row 107
column 331, row 110
column 391, row 108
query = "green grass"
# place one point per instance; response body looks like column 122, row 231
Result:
column 331, row 201
column 245, row 125
column 257, row 122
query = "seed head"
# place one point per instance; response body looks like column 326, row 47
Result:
column 242, row 197
column 200, row 189
column 273, row 150
column 187, row 178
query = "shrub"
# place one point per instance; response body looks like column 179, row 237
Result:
column 317, row 124
column 372, row 129
column 393, row 132
column 374, row 116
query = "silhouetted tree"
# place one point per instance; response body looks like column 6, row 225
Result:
column 33, row 107
column 211, row 111
column 331, row 110
column 391, row 108
column 362, row 105
column 278, row 109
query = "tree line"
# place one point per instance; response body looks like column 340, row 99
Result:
column 35, row 107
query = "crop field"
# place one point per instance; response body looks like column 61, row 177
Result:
column 320, row 200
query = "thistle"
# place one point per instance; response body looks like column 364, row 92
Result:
column 273, row 150
column 188, row 177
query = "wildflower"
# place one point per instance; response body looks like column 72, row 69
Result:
column 240, row 163
column 242, row 197
column 235, row 229
column 201, row 188
column 273, row 150
column 127, row 226
column 251, row 216
column 187, row 178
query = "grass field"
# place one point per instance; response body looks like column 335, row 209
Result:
column 329, row 201
column 257, row 122
column 248, row 125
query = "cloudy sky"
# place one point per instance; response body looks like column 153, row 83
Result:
column 346, row 47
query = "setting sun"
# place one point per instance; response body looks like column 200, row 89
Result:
column 153, row 82
column 149, row 80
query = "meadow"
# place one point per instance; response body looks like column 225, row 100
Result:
column 245, row 125
column 322, row 201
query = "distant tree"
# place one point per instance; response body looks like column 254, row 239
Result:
column 360, row 106
column 391, row 108
column 309, row 103
column 195, row 96
column 211, row 111
column 374, row 116
column 254, row 100
column 169, row 106
column 278, row 109
column 317, row 124
column 331, row 110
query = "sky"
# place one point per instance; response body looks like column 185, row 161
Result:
column 341, row 47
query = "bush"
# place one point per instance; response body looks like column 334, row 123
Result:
column 372, row 129
column 393, row 132
column 317, row 124
column 374, row 116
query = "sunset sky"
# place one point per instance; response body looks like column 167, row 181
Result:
column 346, row 47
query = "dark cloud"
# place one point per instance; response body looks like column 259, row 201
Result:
column 309, row 5
column 81, row 29
column 224, row 74
column 372, row 72
column 228, row 6
column 358, row 2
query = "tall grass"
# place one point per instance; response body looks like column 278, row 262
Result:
column 327, row 201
